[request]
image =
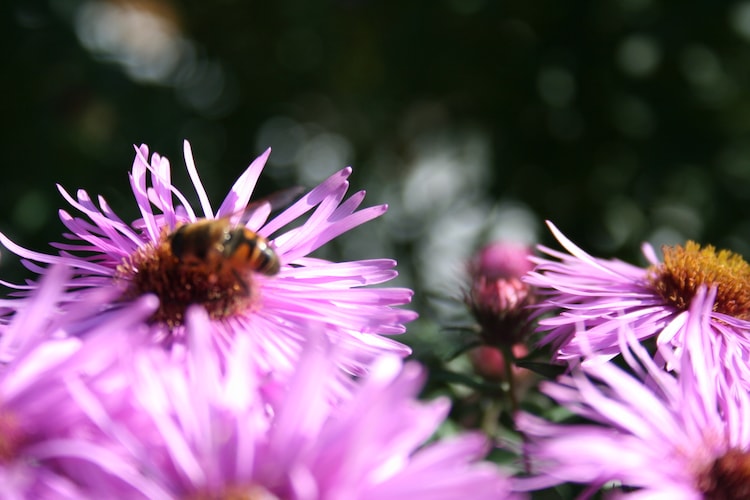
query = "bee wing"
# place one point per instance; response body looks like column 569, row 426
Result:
column 282, row 198
column 256, row 213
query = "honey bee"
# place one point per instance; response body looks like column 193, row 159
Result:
column 215, row 257
column 218, row 245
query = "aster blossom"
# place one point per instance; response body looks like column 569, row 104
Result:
column 659, row 434
column 44, row 358
column 222, row 431
column 585, row 301
column 105, row 251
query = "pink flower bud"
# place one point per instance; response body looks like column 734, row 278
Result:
column 489, row 362
column 502, row 260
column 498, row 298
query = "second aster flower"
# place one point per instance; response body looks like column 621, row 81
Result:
column 272, row 310
column 591, row 299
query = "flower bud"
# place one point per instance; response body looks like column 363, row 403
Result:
column 501, row 260
column 498, row 299
column 489, row 363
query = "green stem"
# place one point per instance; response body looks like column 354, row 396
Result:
column 510, row 363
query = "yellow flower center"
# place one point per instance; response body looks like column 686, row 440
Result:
column 685, row 269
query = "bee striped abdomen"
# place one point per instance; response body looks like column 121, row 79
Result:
column 212, row 243
column 246, row 249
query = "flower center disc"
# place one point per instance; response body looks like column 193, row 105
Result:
column 11, row 436
column 211, row 284
column 253, row 492
column 728, row 478
column 685, row 269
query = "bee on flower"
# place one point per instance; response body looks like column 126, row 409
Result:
column 254, row 278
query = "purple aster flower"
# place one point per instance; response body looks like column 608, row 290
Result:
column 660, row 435
column 590, row 300
column 169, row 252
column 224, row 431
column 42, row 356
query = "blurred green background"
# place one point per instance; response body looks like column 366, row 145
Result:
column 474, row 120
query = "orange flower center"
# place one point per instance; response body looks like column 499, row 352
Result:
column 685, row 269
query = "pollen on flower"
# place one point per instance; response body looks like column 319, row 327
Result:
column 727, row 477
column 153, row 268
column 685, row 269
